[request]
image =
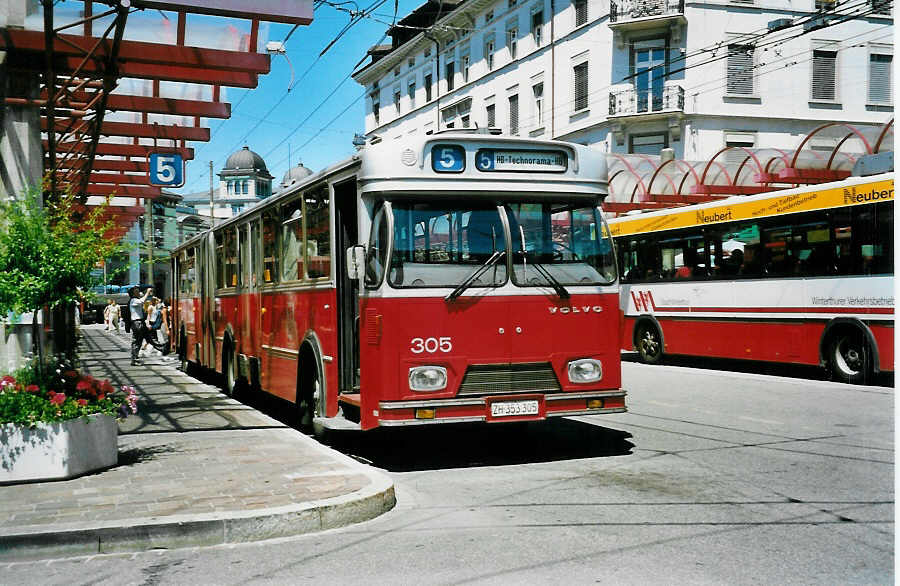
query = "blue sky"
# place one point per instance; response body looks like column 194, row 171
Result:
column 280, row 138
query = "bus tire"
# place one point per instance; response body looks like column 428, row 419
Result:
column 849, row 357
column 182, row 351
column 648, row 342
column 229, row 369
column 309, row 392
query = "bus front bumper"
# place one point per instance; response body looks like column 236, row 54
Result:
column 500, row 408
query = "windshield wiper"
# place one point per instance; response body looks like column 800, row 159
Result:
column 557, row 286
column 498, row 254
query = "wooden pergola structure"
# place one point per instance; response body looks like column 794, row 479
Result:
column 81, row 64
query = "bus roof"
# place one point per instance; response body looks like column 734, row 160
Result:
column 850, row 191
column 482, row 165
column 535, row 168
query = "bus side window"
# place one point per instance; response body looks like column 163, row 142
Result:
column 231, row 258
column 873, row 239
column 376, row 253
column 291, row 241
column 255, row 252
column 220, row 259
column 884, row 248
column 735, row 251
column 318, row 234
column 269, row 247
column 244, row 255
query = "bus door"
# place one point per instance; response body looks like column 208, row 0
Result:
column 346, row 235
column 267, row 279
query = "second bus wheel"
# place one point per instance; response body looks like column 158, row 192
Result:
column 229, row 370
column 849, row 357
column 648, row 343
column 309, row 395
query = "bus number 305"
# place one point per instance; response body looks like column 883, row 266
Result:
column 430, row 345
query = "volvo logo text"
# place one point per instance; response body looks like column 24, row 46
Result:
column 580, row 309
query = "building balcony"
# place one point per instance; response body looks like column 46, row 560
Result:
column 646, row 103
column 639, row 14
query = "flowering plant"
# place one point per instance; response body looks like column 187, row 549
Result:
column 58, row 392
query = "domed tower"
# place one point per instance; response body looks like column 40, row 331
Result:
column 295, row 175
column 244, row 181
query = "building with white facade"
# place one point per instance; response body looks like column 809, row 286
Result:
column 635, row 76
column 244, row 181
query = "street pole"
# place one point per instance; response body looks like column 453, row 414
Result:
column 148, row 235
column 212, row 215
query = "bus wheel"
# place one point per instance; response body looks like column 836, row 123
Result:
column 309, row 402
column 182, row 352
column 649, row 343
column 849, row 358
column 229, row 370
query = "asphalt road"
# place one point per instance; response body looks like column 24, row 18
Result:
column 711, row 478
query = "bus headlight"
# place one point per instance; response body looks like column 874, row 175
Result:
column 586, row 370
column 427, row 378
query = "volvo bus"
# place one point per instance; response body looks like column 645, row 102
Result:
column 449, row 278
column 801, row 276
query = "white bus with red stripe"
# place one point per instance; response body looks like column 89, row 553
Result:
column 449, row 278
column 799, row 276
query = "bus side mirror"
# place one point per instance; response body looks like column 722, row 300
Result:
column 356, row 261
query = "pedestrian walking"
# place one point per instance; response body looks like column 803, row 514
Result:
column 155, row 311
column 111, row 315
column 162, row 332
column 138, row 317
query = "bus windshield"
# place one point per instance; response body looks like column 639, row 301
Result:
column 439, row 245
column 547, row 244
column 560, row 244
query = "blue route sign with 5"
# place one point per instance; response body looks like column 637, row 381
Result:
column 166, row 170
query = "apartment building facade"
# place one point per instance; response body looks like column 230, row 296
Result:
column 635, row 76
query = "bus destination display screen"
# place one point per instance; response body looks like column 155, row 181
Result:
column 521, row 160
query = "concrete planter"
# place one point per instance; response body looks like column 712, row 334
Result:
column 56, row 451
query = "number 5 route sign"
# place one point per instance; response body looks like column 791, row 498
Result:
column 166, row 170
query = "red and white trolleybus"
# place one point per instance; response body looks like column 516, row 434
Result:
column 803, row 276
column 451, row 278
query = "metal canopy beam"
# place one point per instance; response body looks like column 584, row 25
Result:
column 151, row 105
column 143, row 130
column 127, row 150
column 285, row 11
column 165, row 73
column 123, row 190
column 113, row 165
column 137, row 52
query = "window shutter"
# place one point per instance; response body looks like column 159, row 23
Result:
column 740, row 70
column 880, row 78
column 881, row 7
column 514, row 114
column 823, row 75
column 491, row 116
column 580, row 91
column 581, row 12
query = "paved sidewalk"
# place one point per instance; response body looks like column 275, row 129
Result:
column 195, row 468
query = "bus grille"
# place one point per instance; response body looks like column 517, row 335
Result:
column 501, row 379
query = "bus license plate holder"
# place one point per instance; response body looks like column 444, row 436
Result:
column 515, row 408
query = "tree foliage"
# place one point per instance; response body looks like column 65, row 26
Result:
column 47, row 252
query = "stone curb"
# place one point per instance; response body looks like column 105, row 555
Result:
column 177, row 531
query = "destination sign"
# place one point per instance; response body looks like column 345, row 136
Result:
column 515, row 160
